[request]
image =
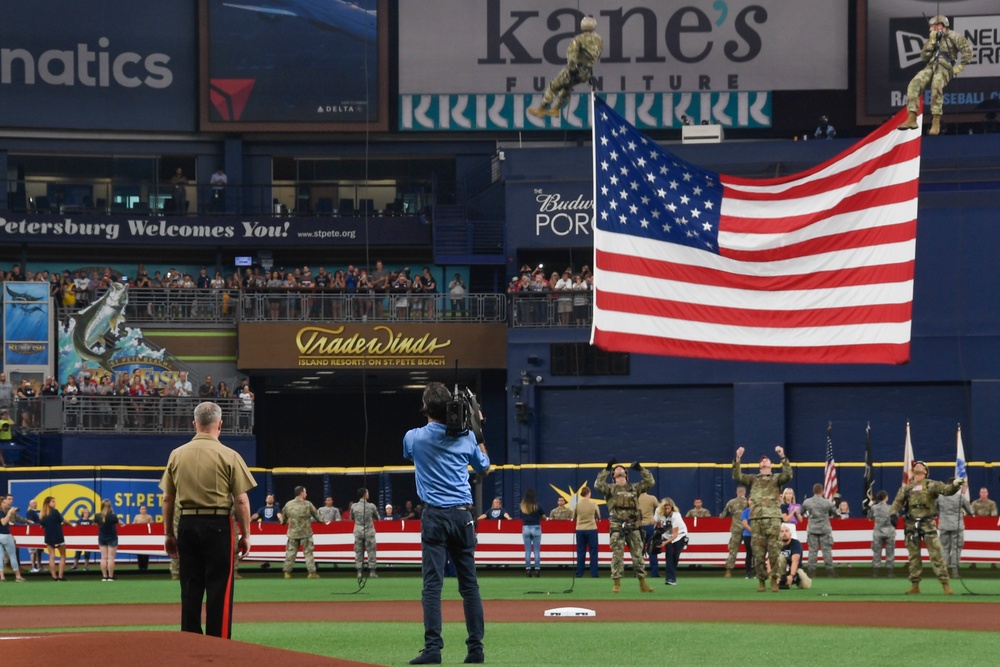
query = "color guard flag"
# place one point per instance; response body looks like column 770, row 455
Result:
column 815, row 267
column 869, row 472
column 907, row 456
column 960, row 469
column 830, row 485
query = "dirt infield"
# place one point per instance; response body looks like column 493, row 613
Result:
column 90, row 649
column 941, row 615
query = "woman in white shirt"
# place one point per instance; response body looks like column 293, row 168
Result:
column 669, row 520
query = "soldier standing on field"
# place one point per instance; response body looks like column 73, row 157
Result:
column 917, row 502
column 299, row 514
column 364, row 514
column 622, row 499
column 734, row 508
column 946, row 54
column 883, row 534
column 582, row 55
column 951, row 528
column 765, row 513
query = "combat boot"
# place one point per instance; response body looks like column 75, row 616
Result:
column 774, row 586
column 914, row 589
column 946, row 587
column 616, row 586
column 554, row 112
column 643, row 586
column 909, row 124
column 760, row 586
column 954, row 573
column 538, row 112
column 288, row 575
column 313, row 575
column 935, row 124
column 729, row 573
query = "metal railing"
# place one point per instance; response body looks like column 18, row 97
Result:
column 123, row 414
column 226, row 307
column 551, row 309
column 392, row 305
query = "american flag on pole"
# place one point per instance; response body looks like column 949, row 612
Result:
column 830, row 485
column 907, row 456
column 815, row 267
column 960, row 470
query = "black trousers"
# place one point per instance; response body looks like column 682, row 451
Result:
column 205, row 545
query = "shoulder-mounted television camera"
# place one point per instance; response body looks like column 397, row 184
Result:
column 463, row 414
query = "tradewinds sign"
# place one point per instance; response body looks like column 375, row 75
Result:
column 379, row 346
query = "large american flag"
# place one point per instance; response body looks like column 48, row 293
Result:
column 830, row 485
column 816, row 267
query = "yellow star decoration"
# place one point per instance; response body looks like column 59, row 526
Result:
column 572, row 496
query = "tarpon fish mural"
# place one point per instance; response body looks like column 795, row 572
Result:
column 95, row 330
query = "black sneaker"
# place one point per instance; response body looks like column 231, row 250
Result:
column 427, row 658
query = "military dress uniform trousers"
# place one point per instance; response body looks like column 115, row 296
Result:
column 205, row 545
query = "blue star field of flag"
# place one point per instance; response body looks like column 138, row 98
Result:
column 646, row 191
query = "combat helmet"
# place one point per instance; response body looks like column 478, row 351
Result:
column 588, row 24
column 943, row 20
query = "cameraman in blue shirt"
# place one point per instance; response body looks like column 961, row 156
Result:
column 441, row 462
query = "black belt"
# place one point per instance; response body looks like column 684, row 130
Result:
column 450, row 507
column 210, row 511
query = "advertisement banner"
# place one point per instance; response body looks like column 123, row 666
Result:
column 393, row 346
column 249, row 232
column 518, row 46
column 115, row 65
column 644, row 110
column 27, row 321
column 73, row 495
column 890, row 57
column 547, row 215
column 310, row 64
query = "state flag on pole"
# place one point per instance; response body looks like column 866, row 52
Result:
column 815, row 267
column 830, row 485
column 907, row 456
column 960, row 469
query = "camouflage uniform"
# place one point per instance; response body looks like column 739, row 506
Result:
column 819, row 534
column 765, row 514
column 561, row 513
column 582, row 55
column 364, row 514
column 942, row 56
column 698, row 513
column 626, row 520
column 982, row 507
column 951, row 528
column 918, row 500
column 299, row 514
column 734, row 508
column 883, row 537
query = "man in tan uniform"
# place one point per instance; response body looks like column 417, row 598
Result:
column 209, row 482
column 587, row 514
column 582, row 55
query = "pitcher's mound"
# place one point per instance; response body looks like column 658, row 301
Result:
column 103, row 649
